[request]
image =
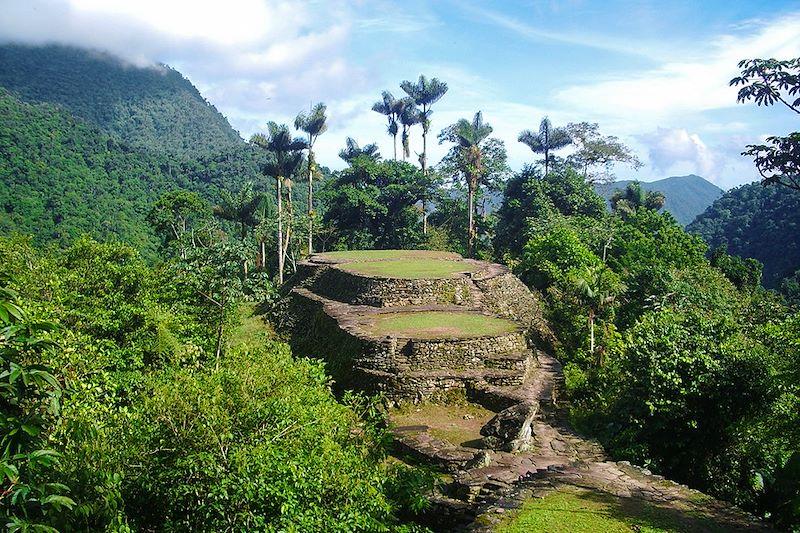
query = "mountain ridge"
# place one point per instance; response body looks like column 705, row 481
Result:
column 686, row 196
column 155, row 108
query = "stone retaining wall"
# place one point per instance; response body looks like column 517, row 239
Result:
column 339, row 284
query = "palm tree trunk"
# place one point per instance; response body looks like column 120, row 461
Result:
column 471, row 208
column 394, row 140
column 310, row 202
column 591, row 332
column 424, row 162
column 280, row 231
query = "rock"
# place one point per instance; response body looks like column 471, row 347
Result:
column 482, row 459
column 510, row 429
column 468, row 417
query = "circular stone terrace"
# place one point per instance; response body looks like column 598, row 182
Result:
column 400, row 264
column 435, row 325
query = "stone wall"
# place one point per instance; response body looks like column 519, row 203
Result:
column 506, row 296
column 349, row 287
column 325, row 308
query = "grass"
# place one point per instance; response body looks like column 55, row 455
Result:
column 373, row 255
column 576, row 510
column 445, row 421
column 251, row 329
column 415, row 268
column 437, row 324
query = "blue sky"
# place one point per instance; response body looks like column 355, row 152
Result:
column 652, row 73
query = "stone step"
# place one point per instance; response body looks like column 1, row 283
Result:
column 424, row 447
column 519, row 361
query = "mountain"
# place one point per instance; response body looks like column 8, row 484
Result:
column 155, row 108
column 61, row 177
column 686, row 196
column 758, row 222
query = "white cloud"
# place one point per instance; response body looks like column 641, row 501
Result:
column 685, row 85
column 669, row 147
column 240, row 53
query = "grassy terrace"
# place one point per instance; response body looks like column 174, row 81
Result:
column 437, row 324
column 416, row 268
column 378, row 255
column 573, row 510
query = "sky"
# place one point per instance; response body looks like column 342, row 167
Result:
column 654, row 74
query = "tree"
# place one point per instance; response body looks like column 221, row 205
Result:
column 314, row 124
column 352, row 151
column 286, row 158
column 633, row 197
column 596, row 287
column 176, row 216
column 372, row 205
column 30, row 398
column 468, row 158
column 547, row 140
column 391, row 107
column 409, row 115
column 425, row 93
column 530, row 200
column 767, row 82
column 241, row 209
column 595, row 151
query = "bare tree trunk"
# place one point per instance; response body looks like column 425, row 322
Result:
column 591, row 332
column 280, row 231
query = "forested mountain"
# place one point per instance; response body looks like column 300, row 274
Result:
column 61, row 177
column 687, row 196
column 758, row 222
column 154, row 108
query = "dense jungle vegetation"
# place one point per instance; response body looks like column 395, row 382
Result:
column 132, row 401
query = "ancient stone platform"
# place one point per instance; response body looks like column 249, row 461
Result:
column 331, row 310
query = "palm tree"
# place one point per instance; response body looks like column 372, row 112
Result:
column 596, row 287
column 425, row 93
column 352, row 150
column 240, row 209
column 548, row 139
column 409, row 116
column 391, row 107
column 314, row 124
column 625, row 202
column 469, row 136
column 286, row 158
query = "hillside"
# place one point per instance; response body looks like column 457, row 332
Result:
column 759, row 222
column 687, row 196
column 154, row 108
column 61, row 177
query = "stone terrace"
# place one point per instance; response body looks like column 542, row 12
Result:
column 528, row 449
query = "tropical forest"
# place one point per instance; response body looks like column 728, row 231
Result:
column 201, row 332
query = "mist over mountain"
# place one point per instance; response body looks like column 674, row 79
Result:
column 155, row 108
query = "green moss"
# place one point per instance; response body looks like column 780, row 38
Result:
column 437, row 324
column 575, row 510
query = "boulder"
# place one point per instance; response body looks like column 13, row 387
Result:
column 510, row 429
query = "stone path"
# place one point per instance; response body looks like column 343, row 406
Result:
column 486, row 483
